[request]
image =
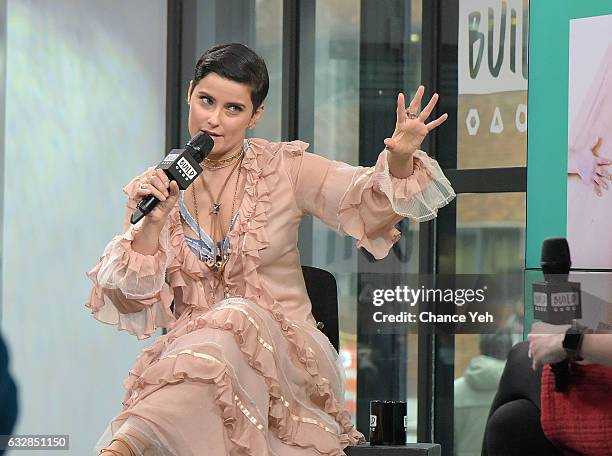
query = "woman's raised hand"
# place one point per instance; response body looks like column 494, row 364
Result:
column 411, row 127
column 155, row 182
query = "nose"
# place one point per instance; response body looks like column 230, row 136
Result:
column 213, row 119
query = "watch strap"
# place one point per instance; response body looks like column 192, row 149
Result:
column 572, row 342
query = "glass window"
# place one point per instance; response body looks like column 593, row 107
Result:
column 492, row 83
column 351, row 88
column 255, row 23
column 267, row 42
column 490, row 240
column 336, row 136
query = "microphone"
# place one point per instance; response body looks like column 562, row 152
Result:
column 180, row 165
column 557, row 300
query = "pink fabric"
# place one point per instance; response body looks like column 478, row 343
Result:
column 253, row 365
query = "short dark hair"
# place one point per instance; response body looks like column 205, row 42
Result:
column 236, row 62
column 496, row 345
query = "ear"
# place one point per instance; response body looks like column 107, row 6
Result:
column 190, row 90
column 256, row 116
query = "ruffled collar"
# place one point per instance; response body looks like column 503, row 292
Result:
column 248, row 235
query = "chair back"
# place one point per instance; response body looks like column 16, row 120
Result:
column 323, row 294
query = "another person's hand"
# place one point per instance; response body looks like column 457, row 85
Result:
column 590, row 167
column 410, row 126
column 546, row 344
column 155, row 182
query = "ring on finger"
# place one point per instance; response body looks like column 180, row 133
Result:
column 143, row 186
column 411, row 115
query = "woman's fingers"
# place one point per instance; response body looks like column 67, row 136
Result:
column 399, row 109
column 165, row 181
column 596, row 189
column 156, row 192
column 429, row 108
column 390, row 143
column 158, row 187
column 435, row 123
column 601, row 171
column 173, row 189
column 160, row 183
column 602, row 161
column 415, row 104
column 600, row 181
column 530, row 352
column 162, row 176
column 142, row 191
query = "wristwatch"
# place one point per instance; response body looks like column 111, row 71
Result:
column 572, row 343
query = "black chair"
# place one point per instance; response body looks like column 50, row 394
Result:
column 323, row 294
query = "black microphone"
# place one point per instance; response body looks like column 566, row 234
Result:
column 180, row 165
column 557, row 300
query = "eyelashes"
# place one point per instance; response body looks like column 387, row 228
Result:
column 232, row 108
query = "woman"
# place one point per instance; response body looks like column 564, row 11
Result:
column 243, row 369
column 577, row 419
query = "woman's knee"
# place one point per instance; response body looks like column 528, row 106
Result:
column 519, row 356
column 514, row 429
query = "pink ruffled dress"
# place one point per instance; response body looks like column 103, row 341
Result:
column 250, row 374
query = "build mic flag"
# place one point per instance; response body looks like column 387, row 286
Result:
column 557, row 300
column 180, row 165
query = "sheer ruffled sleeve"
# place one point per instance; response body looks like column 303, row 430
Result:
column 130, row 289
column 366, row 203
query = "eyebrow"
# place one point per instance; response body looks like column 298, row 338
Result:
column 201, row 92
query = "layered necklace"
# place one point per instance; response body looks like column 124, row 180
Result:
column 220, row 250
column 210, row 163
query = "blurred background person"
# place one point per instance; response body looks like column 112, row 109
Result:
column 475, row 391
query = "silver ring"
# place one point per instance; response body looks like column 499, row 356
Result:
column 143, row 186
column 411, row 115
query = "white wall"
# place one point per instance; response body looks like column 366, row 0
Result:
column 85, row 111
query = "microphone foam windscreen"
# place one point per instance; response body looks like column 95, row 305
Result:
column 555, row 255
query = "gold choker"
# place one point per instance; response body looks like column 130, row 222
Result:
column 210, row 163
